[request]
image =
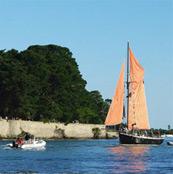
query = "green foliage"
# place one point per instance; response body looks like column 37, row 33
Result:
column 87, row 115
column 44, row 83
column 96, row 132
column 59, row 133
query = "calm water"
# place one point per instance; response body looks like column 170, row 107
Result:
column 88, row 156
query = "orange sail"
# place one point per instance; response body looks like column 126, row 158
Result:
column 115, row 112
column 138, row 114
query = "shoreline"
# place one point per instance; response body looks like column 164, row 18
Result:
column 10, row 129
column 60, row 139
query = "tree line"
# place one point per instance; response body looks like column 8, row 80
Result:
column 44, row 83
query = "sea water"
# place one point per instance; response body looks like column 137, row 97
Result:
column 88, row 156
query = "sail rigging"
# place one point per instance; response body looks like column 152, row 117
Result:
column 137, row 113
column 115, row 112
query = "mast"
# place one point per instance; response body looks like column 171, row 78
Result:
column 127, row 82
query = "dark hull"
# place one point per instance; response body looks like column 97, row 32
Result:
column 133, row 139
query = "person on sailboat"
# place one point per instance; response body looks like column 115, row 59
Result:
column 134, row 126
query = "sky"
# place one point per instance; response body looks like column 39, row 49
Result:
column 96, row 32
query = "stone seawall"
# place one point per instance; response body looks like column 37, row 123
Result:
column 12, row 128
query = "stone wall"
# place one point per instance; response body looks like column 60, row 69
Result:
column 12, row 128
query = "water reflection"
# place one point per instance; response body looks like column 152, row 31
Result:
column 131, row 158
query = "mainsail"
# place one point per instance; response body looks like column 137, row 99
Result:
column 115, row 112
column 138, row 114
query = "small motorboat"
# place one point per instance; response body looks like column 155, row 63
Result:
column 169, row 135
column 170, row 143
column 31, row 144
column 28, row 142
column 34, row 144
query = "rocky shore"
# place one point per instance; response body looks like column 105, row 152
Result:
column 12, row 128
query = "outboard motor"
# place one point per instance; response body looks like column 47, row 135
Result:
column 14, row 144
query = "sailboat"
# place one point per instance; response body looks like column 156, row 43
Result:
column 138, row 129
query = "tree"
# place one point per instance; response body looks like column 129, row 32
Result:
column 44, row 83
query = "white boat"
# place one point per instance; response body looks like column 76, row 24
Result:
column 34, row 144
column 169, row 135
column 170, row 143
column 30, row 144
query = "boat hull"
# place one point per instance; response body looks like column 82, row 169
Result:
column 35, row 144
column 170, row 143
column 133, row 139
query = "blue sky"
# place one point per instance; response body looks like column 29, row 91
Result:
column 97, row 31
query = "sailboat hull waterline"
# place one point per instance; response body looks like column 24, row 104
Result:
column 126, row 138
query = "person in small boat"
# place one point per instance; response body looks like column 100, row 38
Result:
column 27, row 137
column 19, row 141
column 14, row 144
column 32, row 139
